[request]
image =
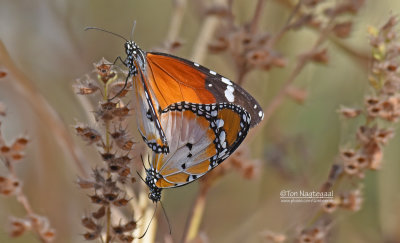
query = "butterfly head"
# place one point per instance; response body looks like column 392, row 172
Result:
column 151, row 179
column 131, row 48
column 135, row 57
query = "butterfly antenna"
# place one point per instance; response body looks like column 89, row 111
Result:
column 148, row 159
column 140, row 176
column 141, row 158
column 148, row 226
column 96, row 28
column 166, row 217
column 133, row 29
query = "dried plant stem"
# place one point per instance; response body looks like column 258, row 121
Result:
column 253, row 26
column 256, row 16
column 196, row 215
column 176, row 20
column 252, row 29
column 303, row 60
column 108, row 146
column 108, row 225
column 23, row 200
column 205, row 34
column 275, row 39
column 362, row 57
column 48, row 116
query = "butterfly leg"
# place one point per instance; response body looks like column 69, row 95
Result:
column 118, row 58
column 123, row 88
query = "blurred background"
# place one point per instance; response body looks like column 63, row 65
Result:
column 47, row 42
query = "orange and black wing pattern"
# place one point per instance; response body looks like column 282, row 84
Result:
column 200, row 137
column 174, row 79
column 166, row 80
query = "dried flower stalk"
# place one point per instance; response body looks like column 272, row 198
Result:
column 12, row 154
column 370, row 138
column 110, row 180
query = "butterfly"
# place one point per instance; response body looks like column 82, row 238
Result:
column 162, row 80
column 191, row 117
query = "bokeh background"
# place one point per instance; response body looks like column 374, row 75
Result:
column 47, row 41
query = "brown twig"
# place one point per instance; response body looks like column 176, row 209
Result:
column 12, row 185
column 303, row 60
column 196, row 215
column 364, row 58
column 206, row 33
column 254, row 23
column 176, row 20
column 46, row 114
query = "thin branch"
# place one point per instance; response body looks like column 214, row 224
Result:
column 46, row 114
column 176, row 20
column 303, row 60
column 208, row 28
column 254, row 24
column 196, row 215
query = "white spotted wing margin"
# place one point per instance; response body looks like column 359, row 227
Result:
column 197, row 136
column 225, row 90
column 148, row 122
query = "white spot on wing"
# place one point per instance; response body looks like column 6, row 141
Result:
column 196, row 64
column 260, row 114
column 225, row 80
column 222, row 136
column 229, row 93
column 212, row 72
column 255, row 106
column 209, row 85
column 224, row 145
column 220, row 123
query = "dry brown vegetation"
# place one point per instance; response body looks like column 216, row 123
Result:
column 331, row 109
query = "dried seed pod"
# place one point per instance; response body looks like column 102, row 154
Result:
column 89, row 223
column 91, row 235
column 98, row 200
column 320, row 56
column 297, row 94
column 342, row 30
column 131, row 225
column 88, row 134
column 19, row 226
column 86, row 87
column 351, row 201
column 105, row 71
column 349, row 112
column 2, row 74
column 9, row 185
column 48, row 235
column 331, row 205
column 19, row 144
column 121, row 202
column 126, row 238
column 99, row 213
column 273, row 237
column 85, row 184
column 3, row 109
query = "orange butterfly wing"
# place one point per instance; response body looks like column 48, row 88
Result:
column 174, row 81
